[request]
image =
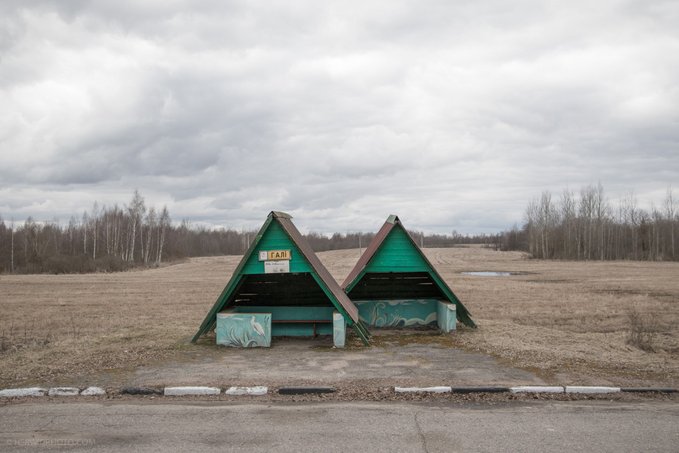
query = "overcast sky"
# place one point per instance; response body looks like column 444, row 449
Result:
column 451, row 114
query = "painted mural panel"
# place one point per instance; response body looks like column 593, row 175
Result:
column 275, row 239
column 397, row 254
column 320, row 319
column 244, row 330
column 397, row 313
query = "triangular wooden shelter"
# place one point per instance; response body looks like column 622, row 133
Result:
column 394, row 267
column 297, row 282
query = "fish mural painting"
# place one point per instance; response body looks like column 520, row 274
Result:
column 398, row 313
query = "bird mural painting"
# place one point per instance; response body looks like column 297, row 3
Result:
column 256, row 326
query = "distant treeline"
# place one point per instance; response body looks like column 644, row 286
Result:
column 340, row 241
column 110, row 239
column 117, row 238
column 588, row 227
column 582, row 227
column 106, row 239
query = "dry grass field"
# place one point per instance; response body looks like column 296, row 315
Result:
column 566, row 321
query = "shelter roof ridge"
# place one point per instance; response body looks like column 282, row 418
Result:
column 280, row 215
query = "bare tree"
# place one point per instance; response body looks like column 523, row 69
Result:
column 164, row 224
column 568, row 217
column 656, row 238
column 670, row 216
column 586, row 211
column 586, row 228
column 547, row 221
column 151, row 223
column 632, row 223
column 86, row 221
column 95, row 229
column 601, row 211
column 531, row 221
column 11, row 265
column 135, row 210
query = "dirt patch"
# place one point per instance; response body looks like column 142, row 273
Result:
column 565, row 321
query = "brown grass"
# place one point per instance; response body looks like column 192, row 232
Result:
column 564, row 320
column 643, row 330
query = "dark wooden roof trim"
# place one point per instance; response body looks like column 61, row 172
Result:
column 370, row 250
column 318, row 267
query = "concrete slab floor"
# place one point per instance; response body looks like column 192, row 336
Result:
column 292, row 361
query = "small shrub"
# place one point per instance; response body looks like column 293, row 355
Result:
column 4, row 342
column 643, row 329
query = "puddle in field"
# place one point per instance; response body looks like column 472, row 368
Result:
column 488, row 274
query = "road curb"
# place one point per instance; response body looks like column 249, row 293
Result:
column 591, row 389
column 479, row 389
column 28, row 391
column 140, row 391
column 649, row 390
column 305, row 390
column 190, row 391
column 252, row 391
column 93, row 391
column 63, row 391
column 263, row 390
column 439, row 389
column 537, row 389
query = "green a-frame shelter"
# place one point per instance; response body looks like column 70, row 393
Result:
column 280, row 287
column 394, row 284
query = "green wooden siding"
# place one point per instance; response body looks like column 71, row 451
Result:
column 275, row 238
column 397, row 254
column 292, row 313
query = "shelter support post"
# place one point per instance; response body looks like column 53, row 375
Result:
column 446, row 316
column 339, row 329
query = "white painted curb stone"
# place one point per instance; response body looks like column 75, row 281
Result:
column 64, row 391
column 586, row 389
column 182, row 391
column 536, row 389
column 31, row 391
column 423, row 389
column 255, row 391
column 93, row 391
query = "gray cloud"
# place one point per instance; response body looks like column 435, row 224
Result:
column 452, row 115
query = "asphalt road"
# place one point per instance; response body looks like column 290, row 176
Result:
column 215, row 426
